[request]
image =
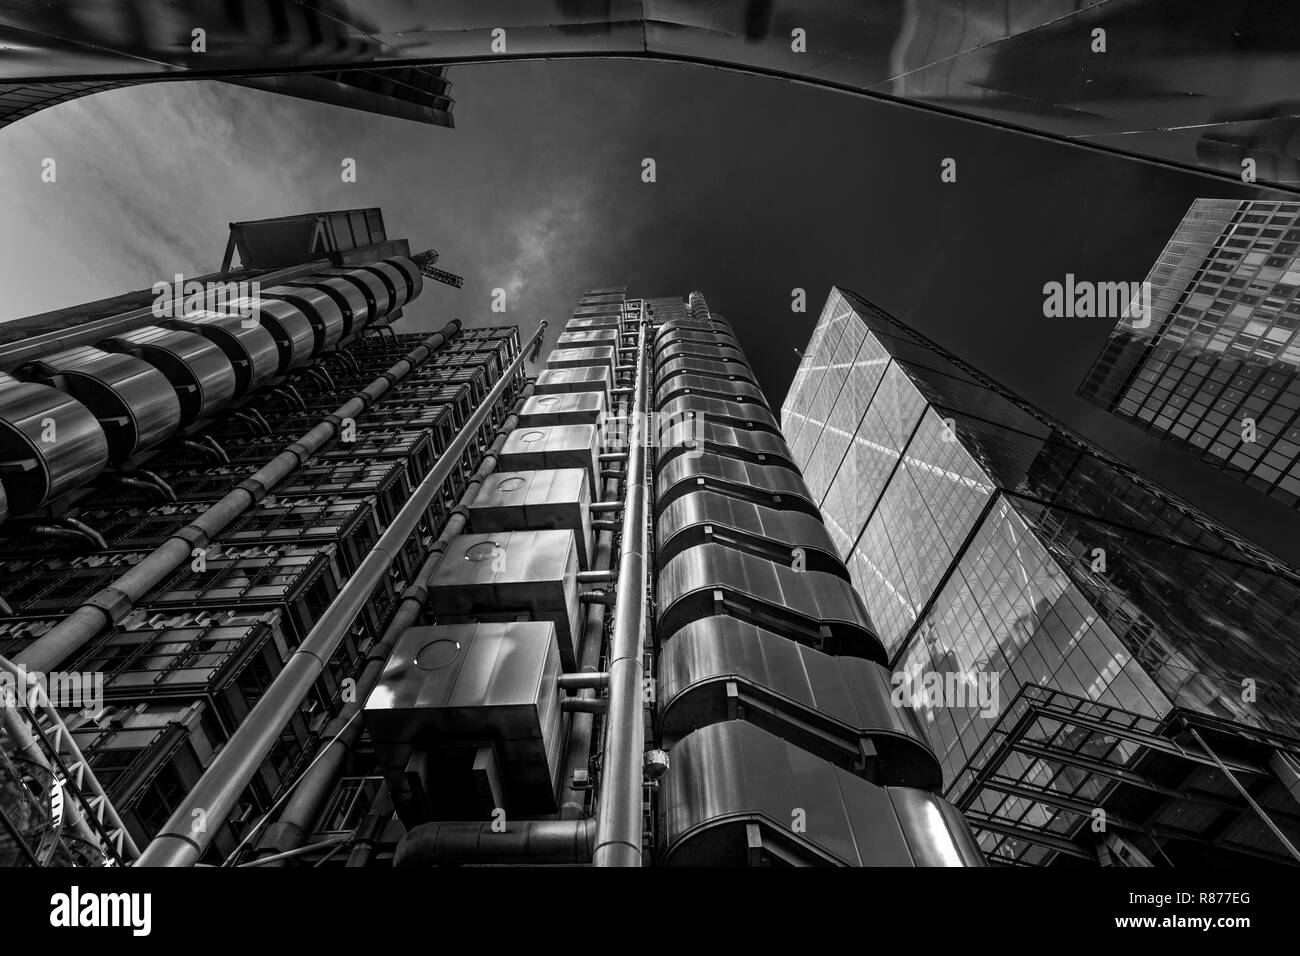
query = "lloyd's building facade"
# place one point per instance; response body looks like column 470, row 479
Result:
column 590, row 617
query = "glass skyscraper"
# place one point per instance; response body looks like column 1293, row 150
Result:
column 991, row 545
column 1215, row 367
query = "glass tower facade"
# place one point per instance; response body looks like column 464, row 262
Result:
column 1215, row 367
column 991, row 545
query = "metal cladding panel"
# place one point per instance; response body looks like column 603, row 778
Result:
column 464, row 686
column 728, row 775
column 505, row 573
column 78, row 454
column 696, row 325
column 135, row 404
column 574, row 408
column 589, row 379
column 294, row 334
column 558, row 499
column 373, row 289
column 745, row 415
column 673, row 336
column 780, row 683
column 937, row 833
column 356, row 312
column 579, row 322
column 808, row 606
column 467, row 680
column 250, row 348
column 762, row 447
column 769, row 485
column 414, row 277
column 713, row 352
column 588, row 337
column 709, row 368
column 553, row 446
column 326, row 315
column 578, row 357
column 401, row 289
column 204, row 378
column 705, row 517
column 730, row 390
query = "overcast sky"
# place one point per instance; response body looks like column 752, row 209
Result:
column 763, row 187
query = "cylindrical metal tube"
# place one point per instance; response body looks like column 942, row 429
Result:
column 534, row 841
column 618, row 810
column 114, row 601
column 596, row 680
column 178, row 843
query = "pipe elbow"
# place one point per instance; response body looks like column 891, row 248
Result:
column 532, row 841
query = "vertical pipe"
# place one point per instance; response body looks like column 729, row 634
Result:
column 342, row 733
column 618, row 811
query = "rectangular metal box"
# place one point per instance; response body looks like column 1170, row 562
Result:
column 579, row 356
column 554, row 446
column 587, row 337
column 573, row 408
column 558, row 499
column 604, row 320
column 501, row 576
column 454, row 698
column 563, row 380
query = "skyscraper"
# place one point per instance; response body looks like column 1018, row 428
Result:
column 1215, row 367
column 190, row 484
column 587, row 618
column 1136, row 648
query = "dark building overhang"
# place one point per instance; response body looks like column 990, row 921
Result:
column 1203, row 94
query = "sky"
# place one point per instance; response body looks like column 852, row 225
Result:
column 762, row 187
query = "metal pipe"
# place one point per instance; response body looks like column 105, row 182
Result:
column 583, row 705
column 158, row 482
column 598, row 507
column 313, row 787
column 115, row 601
column 178, row 843
column 582, row 727
column 583, row 680
column 85, row 535
column 531, row 841
column 256, row 423
column 299, row 850
column 597, row 597
column 603, row 576
column 618, row 808
column 83, row 528
column 148, row 487
column 207, row 451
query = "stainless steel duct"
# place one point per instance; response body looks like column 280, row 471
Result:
column 113, row 602
column 618, row 808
